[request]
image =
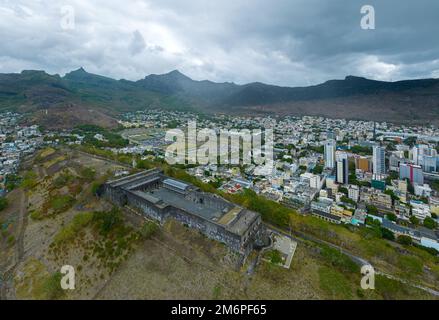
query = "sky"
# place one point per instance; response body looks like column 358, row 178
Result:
column 283, row 42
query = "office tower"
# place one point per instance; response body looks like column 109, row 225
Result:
column 412, row 172
column 378, row 161
column 363, row 164
column 429, row 163
column 420, row 151
column 342, row 168
column 330, row 154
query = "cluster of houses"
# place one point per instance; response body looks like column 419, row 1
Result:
column 16, row 141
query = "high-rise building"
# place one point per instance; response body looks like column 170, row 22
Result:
column 354, row 192
column 378, row 161
column 412, row 172
column 420, row 152
column 363, row 163
column 429, row 163
column 342, row 169
column 330, row 146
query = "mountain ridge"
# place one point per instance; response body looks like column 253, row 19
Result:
column 351, row 97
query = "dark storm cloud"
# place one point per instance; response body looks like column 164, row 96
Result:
column 286, row 42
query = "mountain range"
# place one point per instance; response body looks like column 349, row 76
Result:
column 82, row 97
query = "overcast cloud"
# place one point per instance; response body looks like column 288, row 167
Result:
column 285, row 42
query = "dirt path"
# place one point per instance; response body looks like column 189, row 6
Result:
column 7, row 275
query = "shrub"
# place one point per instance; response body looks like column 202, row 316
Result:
column 275, row 257
column 52, row 287
column 61, row 203
column 430, row 223
column 149, row 229
column 88, row 174
column 338, row 259
column 69, row 232
column 107, row 220
column 3, row 203
column 387, row 234
column 405, row 240
column 29, row 180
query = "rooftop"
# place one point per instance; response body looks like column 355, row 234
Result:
column 175, row 199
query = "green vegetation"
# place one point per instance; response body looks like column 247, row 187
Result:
column 107, row 220
column 270, row 211
column 344, row 190
column 430, row 223
column 338, row 260
column 51, row 288
column 348, row 200
column 318, row 169
column 3, row 203
column 364, row 151
column 391, row 216
column 390, row 289
column 410, row 141
column 149, row 229
column 414, row 220
column 371, row 209
column 404, row 240
column 61, row 203
column 319, row 149
column 334, row 283
column 69, row 232
column 392, row 195
column 88, row 174
column 110, row 139
column 12, row 181
column 29, row 180
column 387, row 234
column 62, row 180
column 275, row 257
column 410, row 265
column 393, row 175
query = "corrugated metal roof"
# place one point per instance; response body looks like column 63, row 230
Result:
column 176, row 184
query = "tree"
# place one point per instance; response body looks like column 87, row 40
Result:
column 275, row 257
column 387, row 234
column 373, row 222
column 318, row 169
column 348, row 200
column 149, row 229
column 405, row 240
column 414, row 220
column 392, row 195
column 344, row 190
column 410, row 141
column 12, row 181
column 391, row 216
column 108, row 219
column 430, row 223
column 371, row 209
column 88, row 174
column 410, row 187
column 3, row 203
